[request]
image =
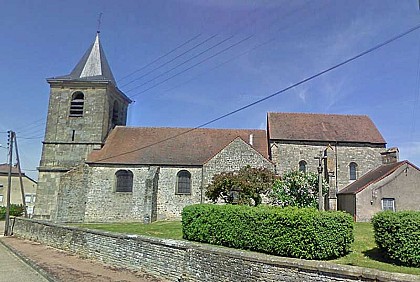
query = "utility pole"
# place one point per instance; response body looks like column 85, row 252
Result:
column 22, row 190
column 9, row 183
column 320, row 159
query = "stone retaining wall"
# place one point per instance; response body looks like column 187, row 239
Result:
column 178, row 260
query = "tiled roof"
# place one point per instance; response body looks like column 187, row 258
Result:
column 4, row 169
column 171, row 146
column 373, row 176
column 323, row 127
column 92, row 67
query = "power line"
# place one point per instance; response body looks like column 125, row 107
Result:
column 34, row 130
column 183, row 63
column 38, row 137
column 164, row 64
column 241, row 54
column 199, row 63
column 254, row 11
column 161, row 57
column 223, row 63
column 275, row 93
column 30, row 124
column 236, row 32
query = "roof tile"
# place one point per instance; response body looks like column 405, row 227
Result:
column 373, row 176
column 323, row 127
column 171, row 146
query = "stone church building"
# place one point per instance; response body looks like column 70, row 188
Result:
column 95, row 169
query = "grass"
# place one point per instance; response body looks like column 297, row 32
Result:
column 161, row 229
column 365, row 253
column 364, row 250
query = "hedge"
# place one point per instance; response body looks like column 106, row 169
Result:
column 290, row 232
column 15, row 210
column 397, row 234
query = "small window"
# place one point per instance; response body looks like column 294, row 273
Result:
column 353, row 171
column 28, row 198
column 77, row 103
column 183, row 183
column 388, row 204
column 124, row 179
column 302, row 166
column 115, row 114
column 1, row 198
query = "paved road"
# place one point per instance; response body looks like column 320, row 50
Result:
column 12, row 268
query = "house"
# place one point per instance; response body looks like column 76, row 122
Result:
column 392, row 186
column 29, row 186
column 94, row 168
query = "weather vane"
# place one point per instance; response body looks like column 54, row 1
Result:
column 98, row 30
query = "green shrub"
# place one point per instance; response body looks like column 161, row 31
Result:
column 291, row 232
column 15, row 210
column 397, row 234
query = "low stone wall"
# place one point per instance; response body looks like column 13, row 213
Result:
column 178, row 260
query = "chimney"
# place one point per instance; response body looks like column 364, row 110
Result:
column 390, row 156
column 251, row 139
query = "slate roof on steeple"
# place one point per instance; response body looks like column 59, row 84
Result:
column 92, row 67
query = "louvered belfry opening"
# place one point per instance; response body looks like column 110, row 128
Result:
column 77, row 103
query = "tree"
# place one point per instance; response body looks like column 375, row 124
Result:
column 299, row 189
column 244, row 186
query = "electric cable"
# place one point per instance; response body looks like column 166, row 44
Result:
column 161, row 57
column 164, row 64
column 183, row 63
column 196, row 64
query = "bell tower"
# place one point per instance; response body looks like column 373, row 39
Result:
column 84, row 107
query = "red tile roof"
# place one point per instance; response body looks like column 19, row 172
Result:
column 323, row 127
column 171, row 146
column 373, row 176
column 4, row 169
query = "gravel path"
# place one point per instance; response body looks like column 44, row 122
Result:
column 57, row 265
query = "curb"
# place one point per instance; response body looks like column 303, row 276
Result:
column 29, row 262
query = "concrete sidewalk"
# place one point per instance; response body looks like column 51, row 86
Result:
column 13, row 268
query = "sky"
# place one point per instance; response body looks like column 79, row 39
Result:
column 186, row 62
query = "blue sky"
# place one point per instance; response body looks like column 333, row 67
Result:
column 268, row 45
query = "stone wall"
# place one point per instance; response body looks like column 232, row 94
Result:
column 170, row 204
column 178, row 260
column 103, row 203
column 87, row 194
column 71, row 197
column 233, row 157
column 47, row 189
column 287, row 155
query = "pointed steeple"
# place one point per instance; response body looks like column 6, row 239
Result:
column 92, row 67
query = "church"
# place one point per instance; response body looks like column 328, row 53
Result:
column 96, row 169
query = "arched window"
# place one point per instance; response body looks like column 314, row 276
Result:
column 115, row 114
column 183, row 182
column 76, row 105
column 302, row 166
column 353, row 171
column 124, row 181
